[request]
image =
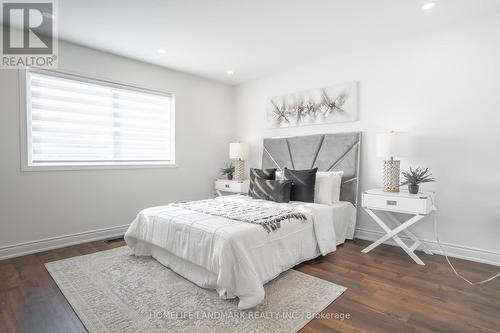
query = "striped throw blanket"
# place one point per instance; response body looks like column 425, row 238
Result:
column 268, row 216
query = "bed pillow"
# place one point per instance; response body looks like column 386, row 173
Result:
column 279, row 175
column 274, row 190
column 260, row 173
column 303, row 184
column 327, row 187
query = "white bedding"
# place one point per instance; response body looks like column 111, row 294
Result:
column 237, row 258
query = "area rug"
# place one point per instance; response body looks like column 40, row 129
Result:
column 112, row 291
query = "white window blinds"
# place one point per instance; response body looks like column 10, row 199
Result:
column 79, row 121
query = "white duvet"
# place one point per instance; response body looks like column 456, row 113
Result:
column 237, row 258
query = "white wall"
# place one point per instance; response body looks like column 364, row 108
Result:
column 443, row 87
column 37, row 205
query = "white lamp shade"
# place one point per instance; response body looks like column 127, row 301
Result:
column 238, row 150
column 393, row 144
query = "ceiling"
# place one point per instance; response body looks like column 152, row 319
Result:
column 254, row 38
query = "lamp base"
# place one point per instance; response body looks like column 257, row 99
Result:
column 239, row 170
column 391, row 175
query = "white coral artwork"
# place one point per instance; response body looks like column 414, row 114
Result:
column 334, row 104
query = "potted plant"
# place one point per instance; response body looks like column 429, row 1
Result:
column 229, row 171
column 415, row 177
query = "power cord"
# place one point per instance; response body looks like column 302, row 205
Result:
column 448, row 260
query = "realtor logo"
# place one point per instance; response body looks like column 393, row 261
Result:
column 29, row 34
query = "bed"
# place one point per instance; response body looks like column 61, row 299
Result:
column 237, row 258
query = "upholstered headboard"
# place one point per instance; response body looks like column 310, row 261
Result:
column 328, row 152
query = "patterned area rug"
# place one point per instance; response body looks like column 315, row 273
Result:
column 112, row 291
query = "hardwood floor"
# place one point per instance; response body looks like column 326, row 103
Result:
column 386, row 293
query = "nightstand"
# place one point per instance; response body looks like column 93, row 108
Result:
column 231, row 186
column 418, row 205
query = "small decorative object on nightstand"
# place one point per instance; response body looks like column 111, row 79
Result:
column 229, row 171
column 231, row 186
column 391, row 145
column 239, row 152
column 419, row 205
column 416, row 177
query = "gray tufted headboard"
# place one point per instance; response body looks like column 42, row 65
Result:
column 328, row 152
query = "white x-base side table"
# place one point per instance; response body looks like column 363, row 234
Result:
column 419, row 205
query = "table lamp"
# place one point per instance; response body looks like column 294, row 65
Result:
column 390, row 146
column 239, row 152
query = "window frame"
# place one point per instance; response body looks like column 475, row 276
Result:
column 25, row 124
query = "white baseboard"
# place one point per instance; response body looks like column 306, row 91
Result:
column 452, row 250
column 21, row 249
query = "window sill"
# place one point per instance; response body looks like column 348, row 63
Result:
column 94, row 166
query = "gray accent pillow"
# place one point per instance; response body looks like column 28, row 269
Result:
column 274, row 190
column 260, row 173
column 303, row 184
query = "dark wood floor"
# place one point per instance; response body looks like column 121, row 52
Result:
column 386, row 293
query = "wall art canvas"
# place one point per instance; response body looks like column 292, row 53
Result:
column 335, row 104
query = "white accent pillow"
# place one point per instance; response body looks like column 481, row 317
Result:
column 327, row 187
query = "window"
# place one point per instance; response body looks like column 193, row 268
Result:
column 73, row 121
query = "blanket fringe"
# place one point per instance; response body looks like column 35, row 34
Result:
column 268, row 217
